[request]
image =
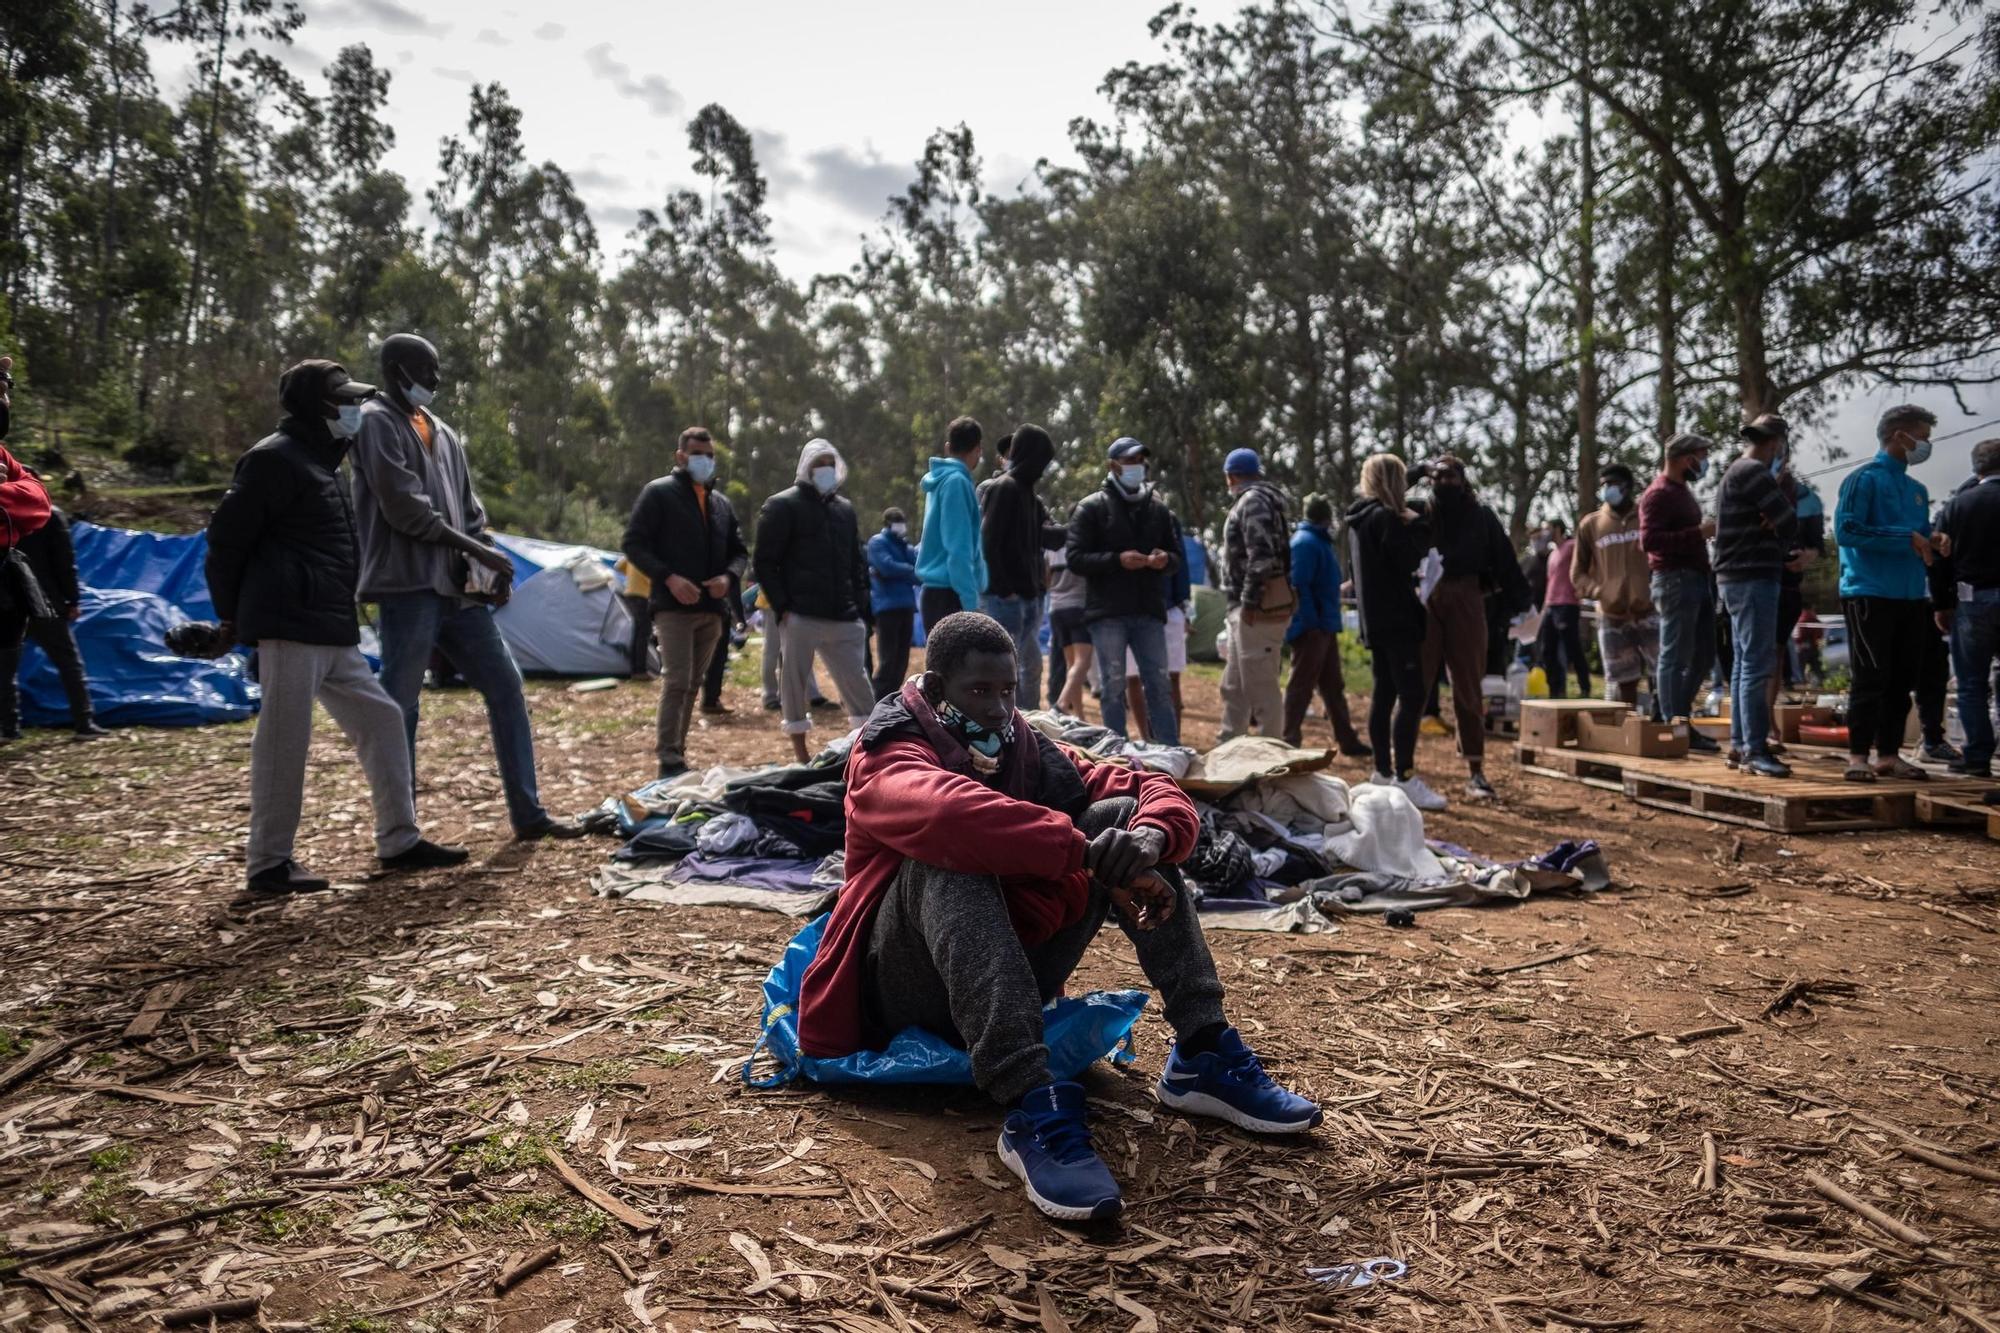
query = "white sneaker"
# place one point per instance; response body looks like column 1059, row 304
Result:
column 1420, row 794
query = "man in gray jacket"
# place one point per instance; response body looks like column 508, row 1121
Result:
column 421, row 530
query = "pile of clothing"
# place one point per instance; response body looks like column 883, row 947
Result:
column 1284, row 845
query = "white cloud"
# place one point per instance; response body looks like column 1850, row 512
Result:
column 488, row 37
column 658, row 95
column 385, row 15
column 551, row 32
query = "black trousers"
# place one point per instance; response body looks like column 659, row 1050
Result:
column 718, row 663
column 1885, row 648
column 1933, row 680
column 936, row 604
column 1398, row 705
column 53, row 637
column 893, row 631
column 1562, row 638
column 637, row 651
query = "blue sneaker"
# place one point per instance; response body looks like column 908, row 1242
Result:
column 1047, row 1144
column 1229, row 1084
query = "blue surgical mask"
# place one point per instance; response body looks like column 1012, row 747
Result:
column 701, row 467
column 419, row 396
column 1132, row 476
column 1612, row 495
column 825, row 479
column 900, row 529
column 1778, row 465
column 1920, row 451
column 1699, row 470
column 347, row 425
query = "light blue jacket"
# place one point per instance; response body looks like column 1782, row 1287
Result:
column 1880, row 505
column 892, row 573
column 951, row 555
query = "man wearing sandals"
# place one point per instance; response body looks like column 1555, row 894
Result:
column 1883, row 528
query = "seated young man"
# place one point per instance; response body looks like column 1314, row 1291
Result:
column 981, row 860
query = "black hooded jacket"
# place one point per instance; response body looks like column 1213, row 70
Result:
column 1014, row 524
column 283, row 559
column 1383, row 555
column 52, row 556
column 809, row 555
column 1472, row 541
column 1107, row 522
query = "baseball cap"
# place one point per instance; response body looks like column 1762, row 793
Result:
column 1125, row 448
column 1765, row 426
column 1242, row 463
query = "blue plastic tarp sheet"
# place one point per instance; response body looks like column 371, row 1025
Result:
column 164, row 564
column 1079, row 1030
column 134, row 680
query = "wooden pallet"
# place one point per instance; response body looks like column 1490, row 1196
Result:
column 1958, row 810
column 1590, row 767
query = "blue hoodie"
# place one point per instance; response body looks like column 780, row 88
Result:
column 1316, row 580
column 1880, row 505
column 951, row 555
column 892, row 573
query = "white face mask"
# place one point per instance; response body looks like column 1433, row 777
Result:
column 419, row 396
column 1132, row 476
column 824, row 479
column 900, row 529
column 701, row 467
column 348, row 424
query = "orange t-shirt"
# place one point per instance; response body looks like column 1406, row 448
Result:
column 422, row 423
column 701, row 498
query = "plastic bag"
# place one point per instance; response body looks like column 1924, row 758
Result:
column 1079, row 1031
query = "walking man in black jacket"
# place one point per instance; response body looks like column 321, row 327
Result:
column 683, row 536
column 814, row 573
column 1015, row 530
column 283, row 564
column 53, row 559
column 1121, row 540
column 1965, row 597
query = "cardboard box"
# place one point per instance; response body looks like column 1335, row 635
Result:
column 1633, row 735
column 1789, row 717
column 1551, row 724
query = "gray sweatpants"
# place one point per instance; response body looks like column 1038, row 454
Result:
column 843, row 646
column 943, row 956
column 293, row 675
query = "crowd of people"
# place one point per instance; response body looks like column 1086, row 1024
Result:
column 970, row 938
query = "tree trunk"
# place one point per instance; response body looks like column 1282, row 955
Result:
column 1667, row 388
column 1586, row 285
column 1753, row 368
column 107, row 240
column 195, row 276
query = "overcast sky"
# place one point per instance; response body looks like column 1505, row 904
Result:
column 840, row 97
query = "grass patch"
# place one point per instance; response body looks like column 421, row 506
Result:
column 558, row 1216
column 349, row 1319
column 114, row 1158
column 11, row 1045
column 514, row 1151
column 593, row 1077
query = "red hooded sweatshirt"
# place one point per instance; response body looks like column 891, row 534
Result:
column 22, row 500
column 912, row 795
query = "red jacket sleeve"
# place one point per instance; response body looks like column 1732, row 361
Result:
column 899, row 797
column 1162, row 803
column 22, row 499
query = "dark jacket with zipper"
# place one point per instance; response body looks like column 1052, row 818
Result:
column 1383, row 555
column 1106, row 523
column 283, row 559
column 52, row 556
column 1014, row 526
column 668, row 535
column 1472, row 542
column 809, row 555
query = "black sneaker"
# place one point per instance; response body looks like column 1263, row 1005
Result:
column 1734, row 758
column 88, row 730
column 1701, row 743
column 559, row 829
column 1764, row 766
column 426, row 855
column 713, row 707
column 823, row 703
column 1977, row 772
column 772, row 705
column 286, row 877
column 673, row 769
column 1940, row 752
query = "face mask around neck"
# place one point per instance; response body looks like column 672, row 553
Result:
column 977, row 738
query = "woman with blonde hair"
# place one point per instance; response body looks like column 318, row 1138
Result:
column 1386, row 541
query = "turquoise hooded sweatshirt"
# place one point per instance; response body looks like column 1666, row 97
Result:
column 951, row 555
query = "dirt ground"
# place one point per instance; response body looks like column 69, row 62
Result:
column 1753, row 1087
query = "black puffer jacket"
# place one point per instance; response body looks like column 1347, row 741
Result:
column 1014, row 524
column 668, row 534
column 1104, row 524
column 1383, row 554
column 283, row 559
column 809, row 555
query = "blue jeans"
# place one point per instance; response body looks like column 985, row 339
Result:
column 1975, row 643
column 1021, row 617
column 1687, row 638
column 1753, row 625
column 1147, row 638
column 414, row 624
